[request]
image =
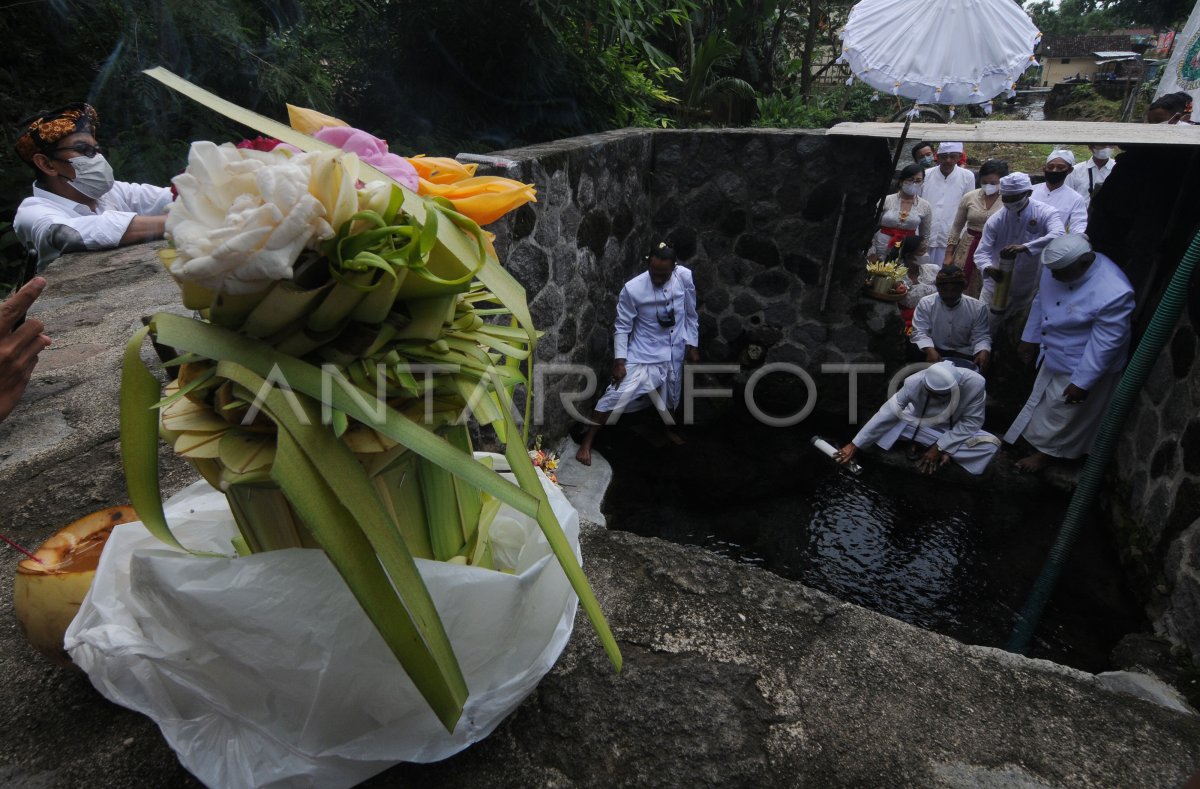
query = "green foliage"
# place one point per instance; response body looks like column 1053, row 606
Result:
column 857, row 103
column 1089, row 16
column 1085, row 104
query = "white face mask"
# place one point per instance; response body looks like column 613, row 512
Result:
column 1102, row 153
column 912, row 190
column 1017, row 206
column 991, row 189
column 93, row 175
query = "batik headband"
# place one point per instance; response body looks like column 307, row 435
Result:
column 45, row 130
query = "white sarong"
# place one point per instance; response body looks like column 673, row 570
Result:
column 1054, row 428
column 644, row 384
column 974, row 454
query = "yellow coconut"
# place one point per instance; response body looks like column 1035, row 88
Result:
column 47, row 596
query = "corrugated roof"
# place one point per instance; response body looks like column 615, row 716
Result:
column 1072, row 132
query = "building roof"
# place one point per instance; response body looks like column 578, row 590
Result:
column 1053, row 132
column 1082, row 46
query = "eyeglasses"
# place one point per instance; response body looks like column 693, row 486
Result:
column 83, row 148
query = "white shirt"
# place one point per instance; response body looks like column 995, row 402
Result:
column 1071, row 208
column 1083, row 326
column 962, row 328
column 1087, row 177
column 1034, row 226
column 945, row 192
column 639, row 336
column 53, row 225
column 913, row 400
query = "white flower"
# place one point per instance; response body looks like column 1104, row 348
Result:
column 243, row 216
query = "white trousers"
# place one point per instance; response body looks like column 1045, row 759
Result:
column 656, row 384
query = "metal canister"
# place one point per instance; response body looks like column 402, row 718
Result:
column 1000, row 294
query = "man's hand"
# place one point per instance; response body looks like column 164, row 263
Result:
column 618, row 374
column 932, row 460
column 932, row 356
column 692, row 355
column 994, row 273
column 1027, row 352
column 19, row 349
column 1012, row 250
column 1074, row 395
column 845, row 454
column 982, row 360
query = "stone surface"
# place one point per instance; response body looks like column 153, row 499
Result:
column 1182, row 620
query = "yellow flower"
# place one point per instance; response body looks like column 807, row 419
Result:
column 483, row 198
column 440, row 169
column 309, row 121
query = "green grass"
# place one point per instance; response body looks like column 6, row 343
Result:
column 1025, row 157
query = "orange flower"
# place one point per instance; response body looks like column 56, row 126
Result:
column 484, row 198
column 440, row 169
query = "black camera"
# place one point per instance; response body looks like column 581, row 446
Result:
column 666, row 319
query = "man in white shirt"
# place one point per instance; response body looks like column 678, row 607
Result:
column 950, row 325
column 76, row 203
column 656, row 331
column 1081, row 319
column 944, row 188
column 942, row 406
column 1019, row 232
column 1072, row 209
column 1086, row 177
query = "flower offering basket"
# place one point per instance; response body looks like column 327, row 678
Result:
column 348, row 327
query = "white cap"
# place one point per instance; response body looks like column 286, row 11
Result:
column 1062, row 153
column 1065, row 250
column 950, row 147
column 940, row 377
column 1015, row 184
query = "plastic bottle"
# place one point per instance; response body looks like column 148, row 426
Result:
column 830, row 450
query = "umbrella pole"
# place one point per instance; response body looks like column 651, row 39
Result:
column 895, row 163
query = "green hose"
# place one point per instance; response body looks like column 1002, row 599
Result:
column 1090, row 478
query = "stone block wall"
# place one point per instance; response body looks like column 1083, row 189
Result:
column 752, row 212
column 755, row 213
column 1156, row 501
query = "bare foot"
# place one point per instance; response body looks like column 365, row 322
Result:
column 584, row 456
column 1035, row 462
column 675, row 438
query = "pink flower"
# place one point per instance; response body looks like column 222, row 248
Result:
column 373, row 151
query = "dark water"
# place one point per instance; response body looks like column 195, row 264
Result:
column 955, row 560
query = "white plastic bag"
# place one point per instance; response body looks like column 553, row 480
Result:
column 264, row 671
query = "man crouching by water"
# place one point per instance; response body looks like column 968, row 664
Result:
column 941, row 407
column 656, row 331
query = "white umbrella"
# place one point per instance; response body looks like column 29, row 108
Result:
column 940, row 51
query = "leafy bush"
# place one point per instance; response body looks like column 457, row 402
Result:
column 1085, row 104
column 858, row 103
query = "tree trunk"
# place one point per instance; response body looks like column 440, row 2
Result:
column 810, row 45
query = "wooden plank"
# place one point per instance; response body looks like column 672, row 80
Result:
column 1069, row 132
